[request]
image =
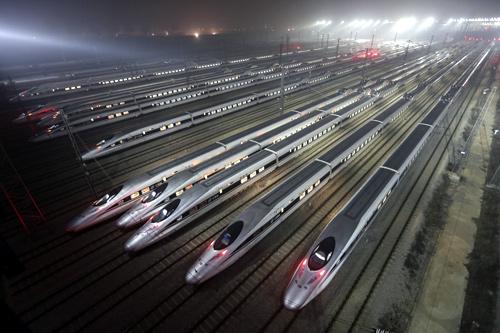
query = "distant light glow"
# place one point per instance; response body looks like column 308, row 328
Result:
column 196, row 34
column 427, row 23
column 404, row 24
column 323, row 23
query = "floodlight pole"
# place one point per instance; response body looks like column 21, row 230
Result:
column 282, row 85
column 430, row 43
column 395, row 37
column 364, row 67
column 407, row 49
column 327, row 41
column 77, row 152
column 366, row 58
column 338, row 45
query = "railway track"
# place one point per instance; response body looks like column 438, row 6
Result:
column 400, row 217
column 123, row 169
column 284, row 250
column 141, row 274
column 93, row 268
column 67, row 238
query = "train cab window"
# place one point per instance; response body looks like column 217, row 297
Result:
column 167, row 210
column 103, row 141
column 322, row 254
column 228, row 236
column 107, row 196
column 155, row 193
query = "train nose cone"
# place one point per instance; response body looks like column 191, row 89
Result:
column 19, row 120
column 291, row 304
column 127, row 221
column 192, row 277
column 89, row 155
column 135, row 243
column 77, row 224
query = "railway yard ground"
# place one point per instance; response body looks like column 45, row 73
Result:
column 417, row 268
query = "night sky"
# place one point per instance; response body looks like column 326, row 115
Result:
column 111, row 16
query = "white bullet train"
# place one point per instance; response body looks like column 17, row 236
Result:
column 123, row 197
column 267, row 212
column 126, row 195
column 185, row 180
column 339, row 237
column 133, row 106
column 204, row 196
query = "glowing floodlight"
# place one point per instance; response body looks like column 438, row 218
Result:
column 427, row 23
column 404, row 24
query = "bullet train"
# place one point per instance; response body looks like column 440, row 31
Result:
column 340, row 236
column 185, row 180
column 172, row 124
column 132, row 106
column 158, row 102
column 121, row 198
column 125, row 196
column 204, row 196
column 37, row 114
column 267, row 212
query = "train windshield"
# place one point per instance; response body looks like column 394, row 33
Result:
column 322, row 254
column 228, row 236
column 105, row 140
column 167, row 210
column 155, row 193
column 108, row 196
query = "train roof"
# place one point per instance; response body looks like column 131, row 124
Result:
column 317, row 101
column 339, row 148
column 253, row 129
column 292, row 183
column 397, row 159
column 337, row 102
column 221, row 157
column 368, row 193
column 212, row 181
column 283, row 127
column 390, row 110
column 353, row 106
column 431, row 118
column 184, row 158
column 320, row 123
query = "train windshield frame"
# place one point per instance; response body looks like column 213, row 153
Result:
column 166, row 211
column 322, row 254
column 155, row 193
column 107, row 197
column 228, row 236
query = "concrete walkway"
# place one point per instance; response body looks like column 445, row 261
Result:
column 440, row 303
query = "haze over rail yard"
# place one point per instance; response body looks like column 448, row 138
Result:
column 252, row 167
